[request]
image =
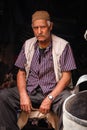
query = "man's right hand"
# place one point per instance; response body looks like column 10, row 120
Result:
column 25, row 103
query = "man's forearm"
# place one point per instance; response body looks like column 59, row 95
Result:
column 21, row 82
column 62, row 84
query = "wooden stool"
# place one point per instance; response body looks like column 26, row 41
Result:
column 51, row 117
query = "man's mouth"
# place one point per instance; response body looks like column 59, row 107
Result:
column 40, row 36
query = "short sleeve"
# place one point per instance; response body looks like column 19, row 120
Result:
column 21, row 60
column 67, row 61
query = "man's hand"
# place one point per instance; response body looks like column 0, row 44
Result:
column 45, row 106
column 25, row 103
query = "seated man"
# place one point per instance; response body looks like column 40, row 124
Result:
column 45, row 63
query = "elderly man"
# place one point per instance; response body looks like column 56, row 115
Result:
column 44, row 76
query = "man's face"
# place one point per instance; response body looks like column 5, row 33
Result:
column 41, row 30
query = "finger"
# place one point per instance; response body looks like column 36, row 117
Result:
column 28, row 109
column 43, row 111
column 23, row 107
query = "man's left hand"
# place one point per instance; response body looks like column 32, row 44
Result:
column 45, row 106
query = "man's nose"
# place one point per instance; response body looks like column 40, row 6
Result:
column 39, row 30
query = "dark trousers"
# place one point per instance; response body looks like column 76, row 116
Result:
column 9, row 103
column 9, row 106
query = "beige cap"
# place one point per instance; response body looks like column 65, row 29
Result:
column 40, row 15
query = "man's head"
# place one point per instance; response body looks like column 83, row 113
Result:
column 41, row 25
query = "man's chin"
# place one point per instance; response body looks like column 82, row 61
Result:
column 41, row 40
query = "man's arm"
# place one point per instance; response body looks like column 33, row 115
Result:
column 21, row 82
column 25, row 102
column 61, row 85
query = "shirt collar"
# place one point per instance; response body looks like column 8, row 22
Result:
column 50, row 46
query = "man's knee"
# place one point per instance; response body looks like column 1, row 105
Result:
column 4, row 95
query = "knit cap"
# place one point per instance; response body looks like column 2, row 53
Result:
column 40, row 15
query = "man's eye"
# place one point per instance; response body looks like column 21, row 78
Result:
column 35, row 27
column 43, row 26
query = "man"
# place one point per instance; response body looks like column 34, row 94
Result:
column 45, row 63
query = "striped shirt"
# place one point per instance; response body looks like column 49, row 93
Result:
column 42, row 69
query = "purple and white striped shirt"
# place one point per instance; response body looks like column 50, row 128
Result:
column 42, row 72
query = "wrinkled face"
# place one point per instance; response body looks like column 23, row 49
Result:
column 42, row 29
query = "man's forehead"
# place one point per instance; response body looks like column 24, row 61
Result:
column 39, row 22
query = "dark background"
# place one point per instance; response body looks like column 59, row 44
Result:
column 70, row 23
